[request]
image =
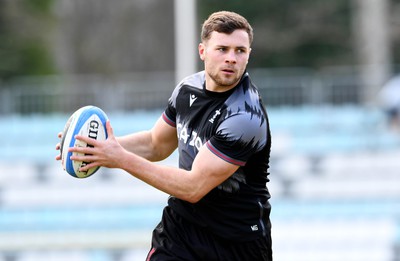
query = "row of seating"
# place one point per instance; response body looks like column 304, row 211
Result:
column 352, row 177
column 334, row 185
column 306, row 130
column 294, row 238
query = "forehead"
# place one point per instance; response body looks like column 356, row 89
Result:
column 236, row 38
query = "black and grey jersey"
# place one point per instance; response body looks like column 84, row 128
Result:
column 234, row 126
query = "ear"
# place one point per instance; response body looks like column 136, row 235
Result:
column 202, row 50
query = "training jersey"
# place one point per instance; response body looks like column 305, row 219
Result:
column 234, row 126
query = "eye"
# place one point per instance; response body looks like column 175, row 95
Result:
column 222, row 49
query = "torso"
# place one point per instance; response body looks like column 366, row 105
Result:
column 234, row 125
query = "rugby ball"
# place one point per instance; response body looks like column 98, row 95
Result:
column 89, row 121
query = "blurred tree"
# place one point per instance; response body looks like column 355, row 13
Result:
column 112, row 37
column 289, row 33
column 99, row 36
column 24, row 45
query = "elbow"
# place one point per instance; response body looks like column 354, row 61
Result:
column 192, row 196
column 193, row 199
column 193, row 189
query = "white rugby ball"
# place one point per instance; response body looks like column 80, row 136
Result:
column 89, row 121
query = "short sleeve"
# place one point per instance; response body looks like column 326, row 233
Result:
column 169, row 114
column 238, row 137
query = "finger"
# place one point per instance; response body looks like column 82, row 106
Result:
column 81, row 150
column 83, row 157
column 89, row 159
column 89, row 166
column 58, row 146
column 109, row 129
column 60, row 134
column 88, row 140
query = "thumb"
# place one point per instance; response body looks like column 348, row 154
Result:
column 109, row 129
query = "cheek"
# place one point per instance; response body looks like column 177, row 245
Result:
column 207, row 65
column 208, row 61
column 245, row 61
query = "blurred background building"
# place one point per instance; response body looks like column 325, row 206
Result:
column 320, row 67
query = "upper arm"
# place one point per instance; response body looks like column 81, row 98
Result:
column 226, row 151
column 238, row 137
column 163, row 139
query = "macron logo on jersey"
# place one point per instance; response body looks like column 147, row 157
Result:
column 192, row 98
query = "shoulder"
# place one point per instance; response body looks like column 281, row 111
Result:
column 245, row 103
column 245, row 116
column 245, row 93
column 195, row 80
column 244, row 126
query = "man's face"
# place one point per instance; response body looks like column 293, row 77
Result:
column 225, row 58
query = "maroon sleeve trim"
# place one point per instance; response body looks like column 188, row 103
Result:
column 224, row 156
column 168, row 120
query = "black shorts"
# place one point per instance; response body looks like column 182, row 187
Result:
column 177, row 239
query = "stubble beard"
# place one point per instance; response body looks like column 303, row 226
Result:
column 224, row 81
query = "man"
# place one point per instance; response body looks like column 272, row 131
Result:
column 390, row 99
column 218, row 208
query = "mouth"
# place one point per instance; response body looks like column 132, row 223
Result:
column 228, row 71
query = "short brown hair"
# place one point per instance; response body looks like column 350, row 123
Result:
column 225, row 22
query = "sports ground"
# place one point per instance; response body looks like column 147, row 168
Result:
column 335, row 191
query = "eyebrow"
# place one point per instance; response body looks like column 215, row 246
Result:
column 227, row 46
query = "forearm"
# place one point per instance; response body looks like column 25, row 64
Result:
column 139, row 143
column 207, row 172
column 155, row 144
column 171, row 180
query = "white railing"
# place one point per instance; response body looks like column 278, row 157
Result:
column 287, row 87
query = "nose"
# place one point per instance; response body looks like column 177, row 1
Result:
column 230, row 57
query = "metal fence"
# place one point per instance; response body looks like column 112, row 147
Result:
column 66, row 93
column 151, row 90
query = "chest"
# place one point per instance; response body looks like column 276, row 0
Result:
column 198, row 117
